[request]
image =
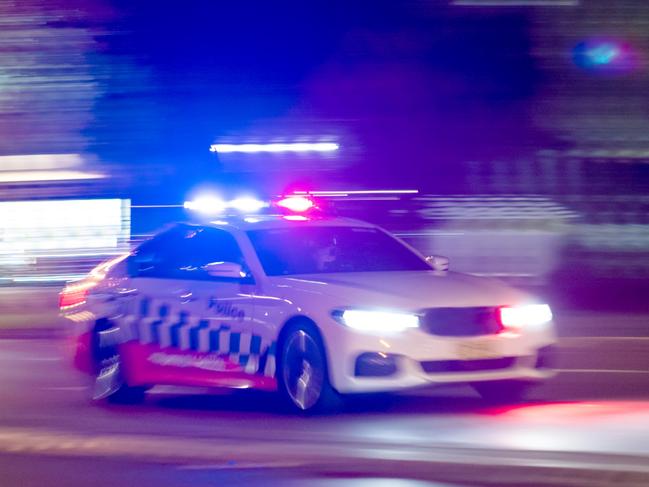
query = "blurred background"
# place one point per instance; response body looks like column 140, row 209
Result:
column 523, row 126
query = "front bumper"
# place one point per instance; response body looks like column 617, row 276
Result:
column 370, row 363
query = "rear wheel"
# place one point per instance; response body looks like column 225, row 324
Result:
column 109, row 385
column 502, row 392
column 109, row 382
column 303, row 375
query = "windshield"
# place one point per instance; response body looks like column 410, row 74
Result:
column 313, row 250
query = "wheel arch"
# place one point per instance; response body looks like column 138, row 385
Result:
column 101, row 324
column 96, row 352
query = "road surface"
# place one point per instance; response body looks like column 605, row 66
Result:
column 586, row 422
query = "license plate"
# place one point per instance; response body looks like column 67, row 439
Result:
column 477, row 349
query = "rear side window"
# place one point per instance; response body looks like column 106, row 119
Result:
column 153, row 257
column 182, row 253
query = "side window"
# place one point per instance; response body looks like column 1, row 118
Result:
column 182, row 252
column 155, row 257
column 204, row 246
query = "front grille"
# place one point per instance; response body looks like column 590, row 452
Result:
column 461, row 322
column 434, row 366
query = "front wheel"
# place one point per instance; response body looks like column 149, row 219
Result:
column 502, row 392
column 303, row 375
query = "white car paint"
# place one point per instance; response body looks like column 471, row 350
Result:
column 274, row 300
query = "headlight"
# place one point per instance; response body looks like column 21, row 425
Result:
column 376, row 321
column 522, row 316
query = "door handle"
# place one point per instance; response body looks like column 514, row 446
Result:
column 186, row 296
column 127, row 291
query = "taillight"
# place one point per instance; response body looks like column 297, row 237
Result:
column 75, row 294
column 517, row 317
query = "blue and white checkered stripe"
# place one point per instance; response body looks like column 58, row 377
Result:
column 159, row 324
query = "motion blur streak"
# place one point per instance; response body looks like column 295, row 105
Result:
column 345, row 192
column 40, row 162
column 276, row 147
column 55, row 239
column 26, row 176
column 517, row 3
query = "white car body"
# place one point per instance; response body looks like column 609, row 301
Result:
column 258, row 308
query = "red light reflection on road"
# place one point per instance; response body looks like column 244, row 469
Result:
column 571, row 412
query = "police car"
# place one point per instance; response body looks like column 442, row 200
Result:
column 311, row 306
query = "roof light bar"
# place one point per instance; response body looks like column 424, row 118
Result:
column 296, row 218
column 247, row 205
column 206, row 204
column 212, row 205
column 276, row 147
column 359, row 192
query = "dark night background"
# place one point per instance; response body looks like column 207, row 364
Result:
column 544, row 102
column 425, row 87
column 421, row 86
column 401, row 85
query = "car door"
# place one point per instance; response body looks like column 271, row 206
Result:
column 220, row 329
column 160, row 303
column 192, row 328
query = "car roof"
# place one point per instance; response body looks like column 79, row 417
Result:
column 258, row 222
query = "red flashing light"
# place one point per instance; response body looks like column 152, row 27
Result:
column 298, row 204
column 296, row 218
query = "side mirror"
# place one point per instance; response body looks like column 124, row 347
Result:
column 438, row 262
column 229, row 270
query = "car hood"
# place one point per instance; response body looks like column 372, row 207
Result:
column 412, row 290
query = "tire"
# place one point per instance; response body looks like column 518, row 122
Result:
column 127, row 395
column 121, row 393
column 502, row 392
column 109, row 384
column 302, row 374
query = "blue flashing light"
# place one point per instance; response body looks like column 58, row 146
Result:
column 213, row 205
column 604, row 55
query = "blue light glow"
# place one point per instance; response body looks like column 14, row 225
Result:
column 605, row 55
column 247, row 205
column 209, row 205
column 213, row 205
